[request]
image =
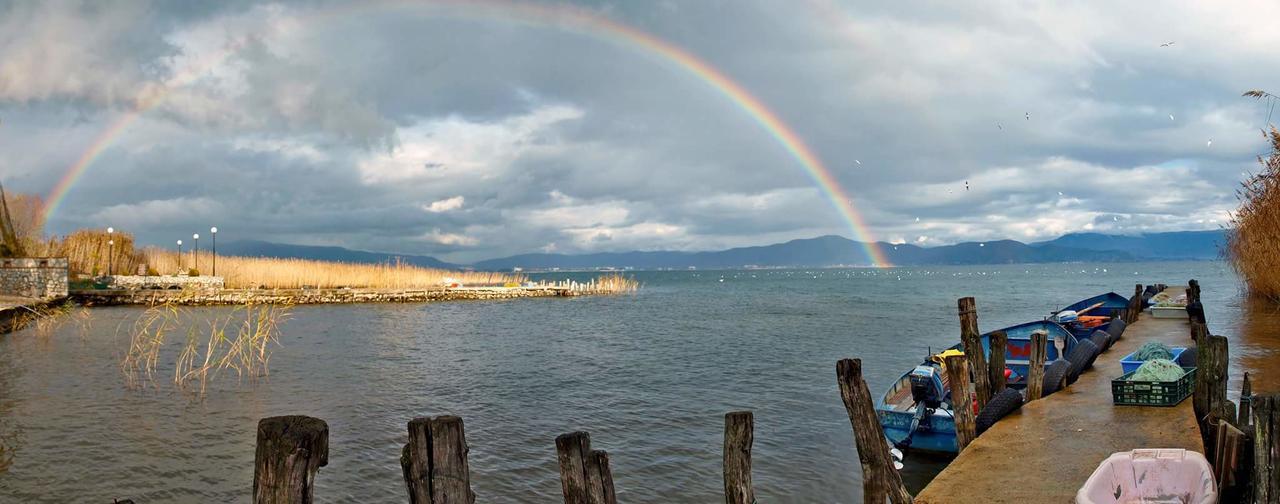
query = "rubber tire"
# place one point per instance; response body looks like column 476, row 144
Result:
column 1083, row 352
column 1088, row 363
column 1000, row 405
column 1055, row 376
column 1101, row 338
column 1116, row 328
column 1188, row 357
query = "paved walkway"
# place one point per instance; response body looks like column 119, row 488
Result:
column 1046, row 451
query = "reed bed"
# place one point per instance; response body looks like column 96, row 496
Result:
column 1252, row 248
column 240, row 342
column 274, row 273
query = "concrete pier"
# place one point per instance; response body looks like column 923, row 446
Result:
column 1045, row 451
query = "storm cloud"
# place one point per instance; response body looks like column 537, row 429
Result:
column 469, row 131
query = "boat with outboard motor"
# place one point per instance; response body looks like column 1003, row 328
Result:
column 916, row 412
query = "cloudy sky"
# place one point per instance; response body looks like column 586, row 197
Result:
column 470, row 130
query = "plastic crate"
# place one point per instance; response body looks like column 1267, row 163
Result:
column 1130, row 363
column 1127, row 392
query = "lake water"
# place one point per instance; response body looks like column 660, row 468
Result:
column 649, row 375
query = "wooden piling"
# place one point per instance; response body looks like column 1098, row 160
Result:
column 435, row 462
column 738, row 436
column 973, row 349
column 1135, row 305
column 1246, row 402
column 1210, row 398
column 999, row 342
column 1266, row 449
column 290, row 450
column 961, row 402
column 585, row 477
column 1035, row 373
column 880, row 480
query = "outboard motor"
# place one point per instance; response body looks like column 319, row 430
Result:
column 924, row 387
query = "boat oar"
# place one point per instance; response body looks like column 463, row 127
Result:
column 1086, row 310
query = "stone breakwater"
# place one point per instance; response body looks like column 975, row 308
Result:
column 208, row 297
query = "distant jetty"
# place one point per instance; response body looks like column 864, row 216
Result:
column 208, row 292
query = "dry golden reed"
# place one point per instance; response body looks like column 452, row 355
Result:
column 1253, row 247
column 274, row 273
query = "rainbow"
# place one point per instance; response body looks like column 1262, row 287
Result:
column 561, row 17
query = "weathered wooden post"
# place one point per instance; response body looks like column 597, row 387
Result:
column 585, row 477
column 1035, row 368
column 961, row 403
column 1246, row 401
column 738, row 435
column 973, row 349
column 1135, row 305
column 1210, row 398
column 290, row 450
column 1266, row 447
column 879, row 478
column 999, row 342
column 435, row 462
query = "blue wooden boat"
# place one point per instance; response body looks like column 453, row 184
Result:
column 916, row 412
column 1103, row 305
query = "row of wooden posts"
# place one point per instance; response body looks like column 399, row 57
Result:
column 292, row 449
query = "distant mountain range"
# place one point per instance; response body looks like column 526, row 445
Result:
column 822, row 251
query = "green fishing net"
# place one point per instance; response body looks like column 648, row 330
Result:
column 1162, row 370
column 1153, row 350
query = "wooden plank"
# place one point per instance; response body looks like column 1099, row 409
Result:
column 973, row 349
column 880, row 480
column 290, row 450
column 961, row 403
column 600, row 478
column 739, row 429
column 1246, row 394
column 999, row 342
column 1035, row 373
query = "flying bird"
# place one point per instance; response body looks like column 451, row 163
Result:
column 1028, row 116
column 1167, row 44
column 1170, row 117
column 1059, row 193
column 1209, row 143
column 966, row 185
column 999, row 126
column 859, row 162
column 917, row 219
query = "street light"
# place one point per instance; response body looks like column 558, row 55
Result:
column 195, row 251
column 214, row 231
column 179, row 255
column 111, row 249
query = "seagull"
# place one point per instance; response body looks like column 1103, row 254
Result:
column 1059, row 193
column 999, row 126
column 1209, row 143
column 1028, row 116
column 966, row 185
column 859, row 162
column 1170, row 117
column 1114, row 218
column 917, row 219
column 1167, row 44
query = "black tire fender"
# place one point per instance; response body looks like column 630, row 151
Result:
column 1082, row 353
column 1101, row 339
column 1000, row 405
column 1055, row 376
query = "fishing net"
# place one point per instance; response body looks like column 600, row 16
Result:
column 1161, row 370
column 1153, row 350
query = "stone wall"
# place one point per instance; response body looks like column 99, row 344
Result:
column 164, row 282
column 34, row 278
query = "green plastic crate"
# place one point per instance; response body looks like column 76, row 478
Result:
column 1127, row 392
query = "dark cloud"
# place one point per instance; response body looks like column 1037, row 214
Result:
column 425, row 129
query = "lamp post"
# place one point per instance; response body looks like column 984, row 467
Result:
column 214, row 231
column 195, row 251
column 179, row 255
column 111, row 250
